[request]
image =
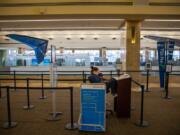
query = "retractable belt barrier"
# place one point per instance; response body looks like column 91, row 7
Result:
column 141, row 122
column 9, row 124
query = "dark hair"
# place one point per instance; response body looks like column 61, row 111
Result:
column 94, row 69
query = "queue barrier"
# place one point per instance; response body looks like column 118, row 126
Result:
column 84, row 77
column 73, row 125
column 10, row 124
column 141, row 122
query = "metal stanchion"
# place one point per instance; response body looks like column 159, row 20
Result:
column 167, row 87
column 118, row 72
column 28, row 106
column 15, row 80
column 111, row 73
column 141, row 122
column 147, row 81
column 0, row 91
column 42, row 87
column 83, row 76
column 9, row 123
column 71, row 125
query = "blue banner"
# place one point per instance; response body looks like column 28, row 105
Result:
column 39, row 45
column 161, row 60
column 170, row 52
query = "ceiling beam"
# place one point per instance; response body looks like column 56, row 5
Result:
column 89, row 11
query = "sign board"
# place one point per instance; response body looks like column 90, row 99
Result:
column 93, row 108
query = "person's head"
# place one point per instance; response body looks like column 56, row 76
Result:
column 94, row 70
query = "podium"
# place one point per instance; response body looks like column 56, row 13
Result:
column 122, row 102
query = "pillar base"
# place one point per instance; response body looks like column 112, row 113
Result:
column 45, row 97
column 54, row 116
column 6, row 125
column 71, row 127
column 28, row 107
column 167, row 97
column 143, row 124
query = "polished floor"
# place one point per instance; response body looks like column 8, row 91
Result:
column 163, row 115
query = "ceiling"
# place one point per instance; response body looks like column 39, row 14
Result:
column 85, row 33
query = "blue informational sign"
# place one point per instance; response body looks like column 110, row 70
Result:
column 93, row 108
column 164, row 58
column 170, row 52
column 161, row 60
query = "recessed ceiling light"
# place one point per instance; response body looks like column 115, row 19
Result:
column 68, row 38
column 96, row 38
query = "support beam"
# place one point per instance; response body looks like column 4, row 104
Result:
column 143, row 11
column 133, row 47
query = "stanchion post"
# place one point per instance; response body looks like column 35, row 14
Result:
column 29, row 106
column 141, row 122
column 42, row 87
column 14, row 80
column 0, row 91
column 83, row 76
column 147, row 80
column 71, row 125
column 111, row 73
column 118, row 72
column 9, row 123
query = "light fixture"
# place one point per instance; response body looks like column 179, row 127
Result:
column 50, row 38
column 113, row 38
column 133, row 35
column 96, row 38
column 68, row 38
column 81, row 38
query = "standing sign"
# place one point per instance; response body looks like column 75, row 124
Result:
column 165, row 57
column 170, row 52
column 161, row 60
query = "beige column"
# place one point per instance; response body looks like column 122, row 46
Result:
column 103, row 52
column 147, row 54
column 61, row 50
column 133, row 47
column 155, row 53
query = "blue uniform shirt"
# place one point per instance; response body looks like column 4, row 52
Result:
column 95, row 79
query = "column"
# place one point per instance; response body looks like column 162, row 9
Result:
column 147, row 54
column 21, row 62
column 61, row 50
column 103, row 52
column 133, row 46
column 103, row 60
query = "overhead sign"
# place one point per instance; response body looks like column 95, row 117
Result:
column 39, row 45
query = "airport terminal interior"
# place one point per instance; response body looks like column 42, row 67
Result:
column 81, row 67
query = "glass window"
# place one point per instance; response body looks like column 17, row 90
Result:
column 113, row 55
